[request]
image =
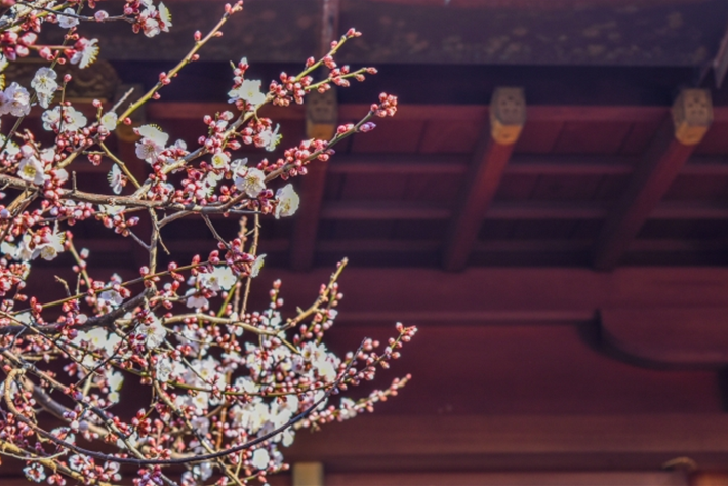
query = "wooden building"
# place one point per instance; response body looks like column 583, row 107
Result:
column 549, row 207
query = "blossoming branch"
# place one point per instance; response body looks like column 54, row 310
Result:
column 229, row 386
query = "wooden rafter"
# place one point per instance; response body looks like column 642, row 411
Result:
column 663, row 161
column 321, row 119
column 507, row 117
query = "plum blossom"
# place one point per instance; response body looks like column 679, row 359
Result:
column 164, row 368
column 31, row 168
column 252, row 182
column 35, row 472
column 86, row 52
column 195, row 300
column 155, row 332
column 152, row 144
column 109, row 120
column 257, row 265
column 15, row 101
column 248, row 91
column 287, row 201
column 72, row 119
column 110, row 297
column 116, row 179
column 165, row 17
column 67, row 21
column 44, row 83
column 220, row 160
column 53, row 245
column 219, row 278
column 260, row 459
column 269, row 138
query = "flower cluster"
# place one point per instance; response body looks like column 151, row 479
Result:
column 229, row 386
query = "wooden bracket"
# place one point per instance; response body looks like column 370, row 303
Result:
column 692, row 114
column 308, row 474
column 507, row 115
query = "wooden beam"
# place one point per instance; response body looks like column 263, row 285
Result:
column 518, row 165
column 675, row 142
column 550, row 478
column 176, row 110
column 536, row 210
column 517, row 441
column 507, row 117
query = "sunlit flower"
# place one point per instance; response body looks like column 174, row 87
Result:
column 287, row 201
column 31, row 169
column 15, row 101
column 116, row 179
column 45, row 85
column 53, row 246
column 195, row 300
column 86, row 52
column 269, row 139
column 67, row 21
column 219, row 278
column 248, row 91
column 257, row 265
column 152, row 143
column 109, row 120
column 252, row 182
column 260, row 459
column 165, row 17
column 220, row 160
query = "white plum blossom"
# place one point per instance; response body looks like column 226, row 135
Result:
column 164, row 368
column 15, row 101
column 109, row 121
column 31, row 169
column 269, row 139
column 72, row 119
column 53, row 246
column 155, row 332
column 86, row 52
column 195, row 300
column 116, row 179
column 260, row 459
column 220, row 160
column 257, row 265
column 219, row 278
column 67, row 21
column 152, row 144
column 110, row 297
column 248, row 91
column 252, row 182
column 165, row 17
column 45, row 85
column 288, row 201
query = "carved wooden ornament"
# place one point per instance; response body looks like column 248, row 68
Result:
column 507, row 115
column 692, row 114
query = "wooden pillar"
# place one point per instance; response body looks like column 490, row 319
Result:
column 507, row 117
